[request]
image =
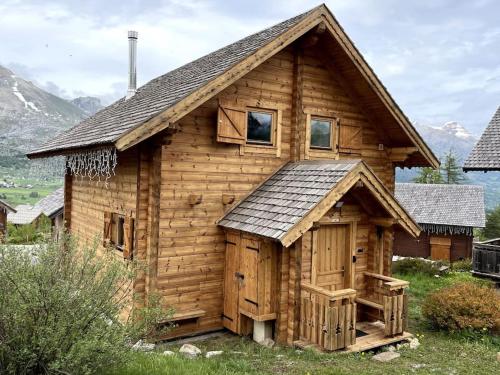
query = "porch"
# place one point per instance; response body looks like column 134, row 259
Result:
column 354, row 321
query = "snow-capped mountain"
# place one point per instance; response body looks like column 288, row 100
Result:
column 457, row 130
column 30, row 115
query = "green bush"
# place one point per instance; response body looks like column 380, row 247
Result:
column 466, row 306
column 408, row 266
column 60, row 309
column 464, row 265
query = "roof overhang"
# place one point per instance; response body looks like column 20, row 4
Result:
column 361, row 173
column 422, row 155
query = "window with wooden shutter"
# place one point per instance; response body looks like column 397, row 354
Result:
column 349, row 138
column 128, row 237
column 231, row 125
column 106, row 237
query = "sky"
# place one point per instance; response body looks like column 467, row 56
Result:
column 438, row 58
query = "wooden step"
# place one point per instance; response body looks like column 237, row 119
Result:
column 185, row 315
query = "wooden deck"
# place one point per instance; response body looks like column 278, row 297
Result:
column 374, row 338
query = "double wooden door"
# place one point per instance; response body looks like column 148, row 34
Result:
column 250, row 281
column 331, row 263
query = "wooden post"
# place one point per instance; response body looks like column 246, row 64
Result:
column 297, row 131
column 68, row 187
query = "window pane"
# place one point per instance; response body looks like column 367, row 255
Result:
column 321, row 133
column 259, row 127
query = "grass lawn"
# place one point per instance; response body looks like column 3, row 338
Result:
column 439, row 352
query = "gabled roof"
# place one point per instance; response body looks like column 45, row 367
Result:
column 288, row 203
column 485, row 156
column 7, row 207
column 51, row 204
column 168, row 98
column 442, row 204
column 25, row 214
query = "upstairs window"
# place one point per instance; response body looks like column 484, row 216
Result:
column 259, row 127
column 321, row 133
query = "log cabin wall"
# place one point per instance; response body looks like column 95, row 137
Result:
column 88, row 200
column 191, row 246
column 407, row 246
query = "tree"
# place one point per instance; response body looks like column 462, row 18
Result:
column 428, row 175
column 492, row 229
column 451, row 171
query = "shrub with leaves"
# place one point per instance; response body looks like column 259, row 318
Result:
column 464, row 265
column 60, row 308
column 467, row 306
column 416, row 265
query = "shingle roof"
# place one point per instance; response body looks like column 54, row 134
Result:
column 159, row 94
column 441, row 204
column 6, row 206
column 286, row 197
column 25, row 214
column 486, row 153
column 52, row 203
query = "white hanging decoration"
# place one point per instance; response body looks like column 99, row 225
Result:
column 97, row 164
column 94, row 164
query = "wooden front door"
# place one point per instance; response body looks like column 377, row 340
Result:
column 440, row 248
column 332, row 260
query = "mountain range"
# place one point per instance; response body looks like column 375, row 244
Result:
column 29, row 116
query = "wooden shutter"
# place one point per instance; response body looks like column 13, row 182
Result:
column 231, row 125
column 349, row 138
column 106, row 237
column 128, row 237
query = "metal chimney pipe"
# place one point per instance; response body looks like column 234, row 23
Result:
column 132, row 63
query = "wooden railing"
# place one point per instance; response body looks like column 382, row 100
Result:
column 387, row 294
column 328, row 318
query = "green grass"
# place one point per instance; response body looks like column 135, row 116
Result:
column 21, row 195
column 439, row 352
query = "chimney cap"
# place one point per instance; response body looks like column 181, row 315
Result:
column 133, row 34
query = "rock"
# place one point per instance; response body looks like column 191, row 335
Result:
column 414, row 343
column 213, row 353
column 386, row 356
column 498, row 356
column 268, row 343
column 391, row 349
column 417, row 366
column 142, row 346
column 168, row 352
column 189, row 351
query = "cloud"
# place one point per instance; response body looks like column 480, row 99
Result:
column 438, row 58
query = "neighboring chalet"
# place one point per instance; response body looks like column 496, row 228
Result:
column 485, row 156
column 257, row 185
column 49, row 208
column 5, row 209
column 447, row 215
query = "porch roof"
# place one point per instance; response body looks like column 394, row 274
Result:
column 288, row 203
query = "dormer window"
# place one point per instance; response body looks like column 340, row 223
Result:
column 321, row 133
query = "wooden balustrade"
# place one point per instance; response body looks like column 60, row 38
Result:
column 328, row 318
column 387, row 294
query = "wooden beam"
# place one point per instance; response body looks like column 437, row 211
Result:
column 68, row 187
column 298, row 117
column 400, row 154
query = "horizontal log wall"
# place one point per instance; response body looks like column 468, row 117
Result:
column 90, row 199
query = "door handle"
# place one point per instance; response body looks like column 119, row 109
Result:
column 239, row 275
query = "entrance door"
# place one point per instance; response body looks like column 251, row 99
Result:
column 332, row 262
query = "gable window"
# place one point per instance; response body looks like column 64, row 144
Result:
column 259, row 127
column 321, row 133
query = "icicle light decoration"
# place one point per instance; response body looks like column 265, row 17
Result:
column 94, row 164
column 446, row 229
column 98, row 164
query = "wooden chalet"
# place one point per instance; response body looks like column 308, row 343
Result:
column 447, row 215
column 5, row 209
column 485, row 156
column 257, row 185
